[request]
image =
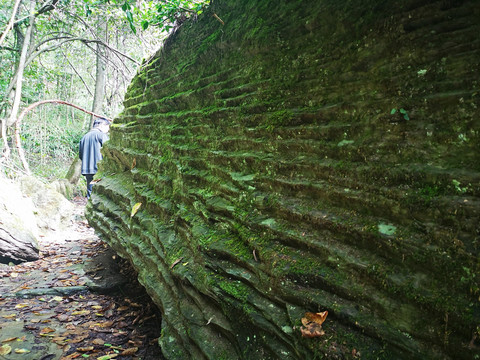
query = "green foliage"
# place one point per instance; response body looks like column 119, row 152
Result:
column 50, row 142
column 402, row 111
column 458, row 188
column 147, row 13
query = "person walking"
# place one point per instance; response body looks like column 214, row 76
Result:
column 90, row 146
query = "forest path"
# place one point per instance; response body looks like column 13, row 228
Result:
column 78, row 300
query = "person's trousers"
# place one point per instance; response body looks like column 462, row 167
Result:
column 89, row 178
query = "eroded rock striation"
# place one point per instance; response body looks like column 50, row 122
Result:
column 305, row 156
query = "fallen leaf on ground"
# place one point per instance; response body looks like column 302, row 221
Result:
column 46, row 330
column 21, row 351
column 98, row 342
column 85, row 348
column 81, row 312
column 312, row 324
column 129, row 351
column 79, row 339
column 107, row 357
column 9, row 339
column 21, row 306
column 5, row 349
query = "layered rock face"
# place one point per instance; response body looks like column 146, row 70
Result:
column 305, row 156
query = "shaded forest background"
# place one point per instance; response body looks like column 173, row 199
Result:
column 80, row 51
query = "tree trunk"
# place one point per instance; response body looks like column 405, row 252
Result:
column 17, row 90
column 100, row 73
column 21, row 66
column 12, row 20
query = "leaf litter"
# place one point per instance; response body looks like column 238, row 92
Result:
column 120, row 323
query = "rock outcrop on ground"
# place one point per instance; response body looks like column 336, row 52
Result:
column 18, row 225
column 30, row 208
column 305, row 156
column 53, row 211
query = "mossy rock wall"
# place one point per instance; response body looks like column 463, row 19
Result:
column 305, row 156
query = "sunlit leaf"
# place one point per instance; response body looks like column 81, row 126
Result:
column 21, row 306
column 135, row 209
column 5, row 349
column 22, row 351
column 107, row 357
column 81, row 312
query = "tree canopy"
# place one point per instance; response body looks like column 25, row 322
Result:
column 54, row 49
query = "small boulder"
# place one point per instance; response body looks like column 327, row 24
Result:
column 18, row 225
column 53, row 210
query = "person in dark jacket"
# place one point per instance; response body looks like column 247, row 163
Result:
column 90, row 146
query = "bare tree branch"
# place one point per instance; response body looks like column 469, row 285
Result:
column 45, row 8
column 21, row 66
column 66, row 39
column 12, row 20
column 76, row 72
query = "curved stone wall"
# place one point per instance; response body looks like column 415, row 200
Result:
column 305, row 156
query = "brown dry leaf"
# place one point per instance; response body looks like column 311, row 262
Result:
column 104, row 324
column 98, row 341
column 74, row 355
column 134, row 304
column 317, row 318
column 129, row 351
column 312, row 331
column 312, row 324
column 46, row 330
column 79, row 339
column 9, row 339
column 85, row 349
column 107, row 357
column 176, row 262
column 60, row 340
column 11, row 316
column 5, row 349
column 81, row 312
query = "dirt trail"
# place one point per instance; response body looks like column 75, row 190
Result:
column 78, row 300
